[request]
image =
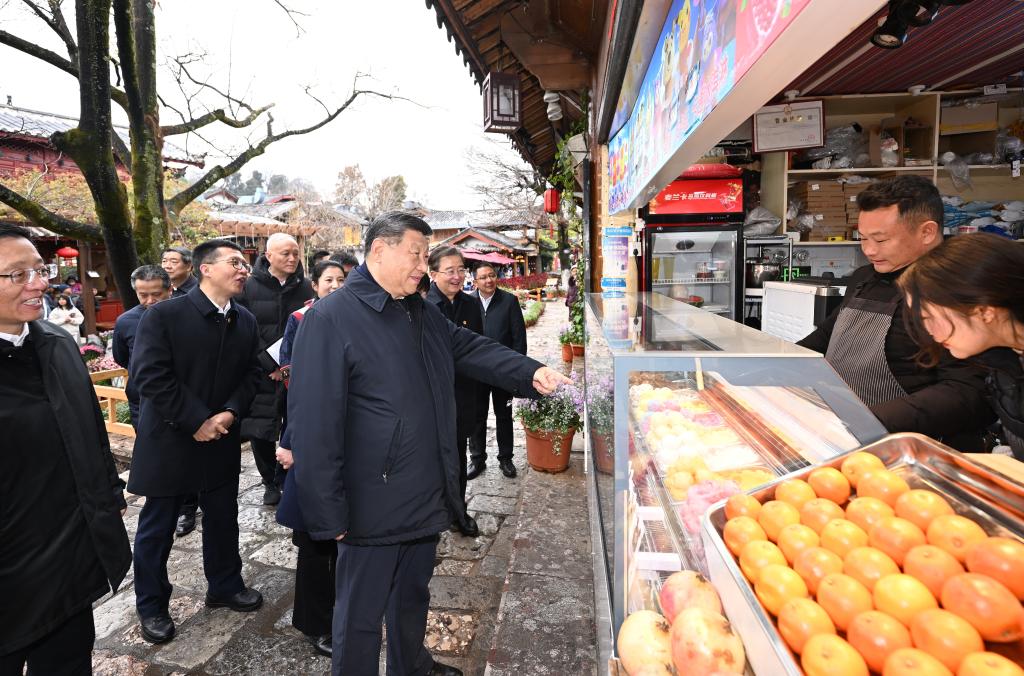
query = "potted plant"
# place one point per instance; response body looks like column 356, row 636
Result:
column 575, row 303
column 565, row 339
column 601, row 411
column 550, row 424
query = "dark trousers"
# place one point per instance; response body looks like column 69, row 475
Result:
column 265, row 453
column 460, row 444
column 65, row 651
column 314, row 585
column 389, row 582
column 221, row 562
column 191, row 501
column 502, row 401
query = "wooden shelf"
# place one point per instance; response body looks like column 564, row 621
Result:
column 849, row 242
column 983, row 167
column 858, row 170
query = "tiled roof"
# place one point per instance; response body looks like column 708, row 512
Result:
column 14, row 120
column 483, row 235
column 483, row 218
column 276, row 210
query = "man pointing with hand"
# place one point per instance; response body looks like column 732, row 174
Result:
column 371, row 414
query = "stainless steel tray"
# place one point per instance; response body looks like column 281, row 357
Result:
column 990, row 498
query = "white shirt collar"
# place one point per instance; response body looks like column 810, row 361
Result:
column 16, row 339
column 222, row 310
column 486, row 301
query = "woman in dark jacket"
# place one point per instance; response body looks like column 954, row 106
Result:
column 966, row 296
column 314, row 572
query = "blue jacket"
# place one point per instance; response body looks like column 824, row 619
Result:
column 371, row 413
column 123, row 344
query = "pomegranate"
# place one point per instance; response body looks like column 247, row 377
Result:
column 703, row 643
column 644, row 643
column 687, row 589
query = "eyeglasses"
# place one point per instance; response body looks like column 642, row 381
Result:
column 452, row 272
column 236, row 263
column 486, row 277
column 28, row 275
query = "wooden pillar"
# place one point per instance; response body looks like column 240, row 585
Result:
column 88, row 290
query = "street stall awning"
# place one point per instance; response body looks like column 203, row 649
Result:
column 498, row 259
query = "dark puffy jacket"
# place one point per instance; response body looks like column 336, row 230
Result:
column 371, row 412
column 465, row 311
column 271, row 302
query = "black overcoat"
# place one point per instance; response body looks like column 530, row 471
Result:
column 271, row 303
column 357, row 470
column 503, row 320
column 190, row 362
column 464, row 311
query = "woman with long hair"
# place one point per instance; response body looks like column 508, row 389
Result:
column 967, row 296
column 66, row 316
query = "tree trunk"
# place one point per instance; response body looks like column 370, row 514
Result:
column 90, row 145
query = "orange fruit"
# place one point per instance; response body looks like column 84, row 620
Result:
column 913, row 662
column 944, row 636
column 988, row 605
column 739, row 531
column 1002, row 559
column 829, row 655
column 841, row 536
column 816, row 513
column 794, row 539
column 775, row 515
column 956, row 534
column 777, row 584
column 757, row 554
column 794, row 491
column 866, row 512
column 988, row 664
column 800, row 619
column 867, row 565
column 875, row 636
column 856, row 464
column 814, row 564
column 903, row 597
column 896, row 537
column 883, row 484
column 829, row 483
column 843, row 598
column 742, row 504
column 920, row 506
column 932, row 566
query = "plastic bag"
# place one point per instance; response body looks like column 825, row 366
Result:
column 760, row 222
column 843, row 144
column 959, row 172
column 1008, row 146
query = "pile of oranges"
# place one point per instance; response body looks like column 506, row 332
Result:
column 862, row 572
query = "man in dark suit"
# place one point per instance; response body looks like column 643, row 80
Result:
column 196, row 365
column 503, row 322
column 447, row 270
column 64, row 543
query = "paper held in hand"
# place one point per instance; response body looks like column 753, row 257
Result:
column 275, row 351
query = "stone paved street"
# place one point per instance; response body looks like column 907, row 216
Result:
column 517, row 600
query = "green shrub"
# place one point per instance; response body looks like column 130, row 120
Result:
column 534, row 309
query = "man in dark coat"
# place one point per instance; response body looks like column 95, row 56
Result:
column 196, row 364
column 64, row 542
column 371, row 414
column 447, row 270
column 276, row 288
column 503, row 322
column 866, row 341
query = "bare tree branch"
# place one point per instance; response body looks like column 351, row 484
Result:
column 44, row 218
column 182, row 64
column 55, row 20
column 292, row 13
column 213, row 116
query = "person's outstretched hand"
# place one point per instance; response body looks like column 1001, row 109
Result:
column 546, row 380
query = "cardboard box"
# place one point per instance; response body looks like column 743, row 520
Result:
column 830, row 218
column 969, row 119
column 829, row 233
column 855, row 188
column 822, row 187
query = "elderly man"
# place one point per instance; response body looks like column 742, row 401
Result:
column 196, row 365
column 64, row 544
column 371, row 415
column 276, row 288
column 177, row 262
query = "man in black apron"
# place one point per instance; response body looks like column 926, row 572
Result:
column 865, row 339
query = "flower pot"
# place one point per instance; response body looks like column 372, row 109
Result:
column 548, row 450
column 567, row 353
column 604, row 455
column 577, row 350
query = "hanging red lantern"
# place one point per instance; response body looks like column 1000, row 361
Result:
column 67, row 252
column 551, row 198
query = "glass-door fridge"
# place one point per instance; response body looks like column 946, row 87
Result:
column 693, row 244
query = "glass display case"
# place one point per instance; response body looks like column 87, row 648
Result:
column 685, row 408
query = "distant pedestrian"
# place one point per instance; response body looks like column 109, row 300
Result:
column 317, row 257
column 276, row 288
column 66, row 316
column 64, row 541
column 503, row 322
column 196, row 364
column 371, row 413
column 347, row 259
column 177, row 262
column 314, row 572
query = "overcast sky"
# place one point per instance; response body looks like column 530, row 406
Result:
column 252, row 46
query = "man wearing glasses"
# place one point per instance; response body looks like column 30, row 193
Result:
column 447, row 270
column 196, row 367
column 64, row 543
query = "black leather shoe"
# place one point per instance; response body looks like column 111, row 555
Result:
column 475, row 470
column 271, row 495
column 321, row 644
column 507, row 468
column 157, row 629
column 468, row 527
column 444, row 670
column 186, row 524
column 244, row 601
